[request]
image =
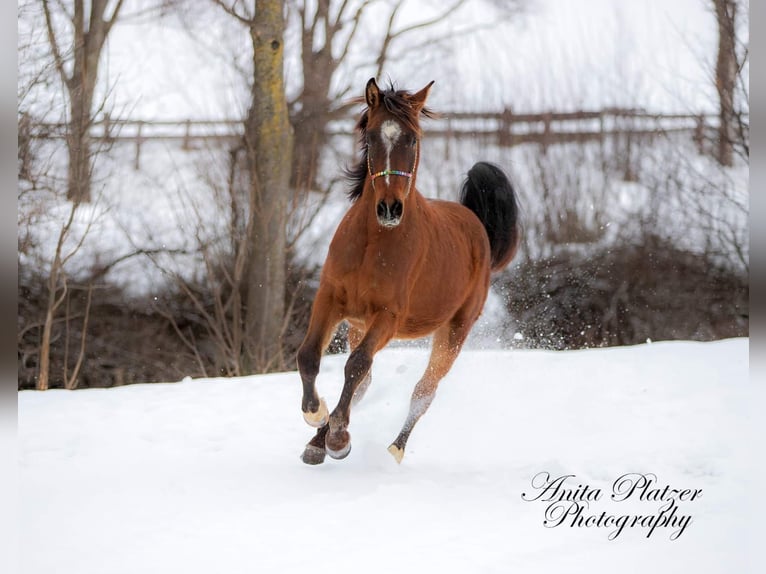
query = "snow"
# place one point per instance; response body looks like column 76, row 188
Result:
column 204, row 475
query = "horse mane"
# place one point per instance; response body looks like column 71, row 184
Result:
column 398, row 104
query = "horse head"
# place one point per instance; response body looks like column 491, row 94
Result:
column 391, row 130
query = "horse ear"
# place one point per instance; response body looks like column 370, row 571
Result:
column 372, row 94
column 419, row 99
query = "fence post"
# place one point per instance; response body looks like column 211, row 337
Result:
column 139, row 141
column 546, row 139
column 699, row 134
column 601, row 128
column 186, row 146
column 505, row 135
column 107, row 128
column 629, row 173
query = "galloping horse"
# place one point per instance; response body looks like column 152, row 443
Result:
column 402, row 266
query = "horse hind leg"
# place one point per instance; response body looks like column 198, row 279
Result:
column 314, row 453
column 447, row 342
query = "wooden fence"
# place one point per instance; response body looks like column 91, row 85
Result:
column 505, row 128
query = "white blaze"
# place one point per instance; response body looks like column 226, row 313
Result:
column 389, row 133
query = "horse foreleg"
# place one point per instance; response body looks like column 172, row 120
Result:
column 315, row 452
column 324, row 319
column 447, row 343
column 354, row 338
column 379, row 333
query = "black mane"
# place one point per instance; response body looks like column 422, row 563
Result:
column 398, row 104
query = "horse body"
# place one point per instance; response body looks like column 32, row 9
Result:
column 401, row 266
column 369, row 268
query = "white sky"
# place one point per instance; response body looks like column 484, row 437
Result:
column 590, row 53
column 562, row 54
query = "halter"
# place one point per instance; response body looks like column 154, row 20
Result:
column 391, row 172
column 407, row 174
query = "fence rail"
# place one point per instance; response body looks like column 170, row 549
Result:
column 506, row 127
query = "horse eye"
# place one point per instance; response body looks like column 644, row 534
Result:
column 413, row 141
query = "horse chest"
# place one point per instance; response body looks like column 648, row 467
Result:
column 376, row 278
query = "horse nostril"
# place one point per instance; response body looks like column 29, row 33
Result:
column 396, row 209
column 389, row 213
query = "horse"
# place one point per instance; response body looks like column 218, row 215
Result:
column 401, row 266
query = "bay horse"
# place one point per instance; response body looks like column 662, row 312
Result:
column 401, row 266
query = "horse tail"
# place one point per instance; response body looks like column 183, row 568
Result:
column 489, row 194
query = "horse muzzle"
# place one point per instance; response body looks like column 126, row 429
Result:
column 389, row 214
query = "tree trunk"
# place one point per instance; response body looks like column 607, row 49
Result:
column 310, row 122
column 43, row 376
column 89, row 35
column 310, row 125
column 725, row 78
column 268, row 141
column 78, row 145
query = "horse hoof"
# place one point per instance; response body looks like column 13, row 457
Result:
column 319, row 418
column 339, row 454
column 313, row 455
column 397, row 453
column 338, row 444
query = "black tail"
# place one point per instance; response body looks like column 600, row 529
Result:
column 489, row 194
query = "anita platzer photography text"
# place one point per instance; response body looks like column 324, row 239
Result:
column 576, row 505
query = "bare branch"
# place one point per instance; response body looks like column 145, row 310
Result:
column 104, row 269
column 64, row 8
column 188, row 342
column 246, row 19
column 108, row 23
column 391, row 35
column 158, row 10
column 57, row 57
column 72, row 382
column 383, row 54
column 352, row 35
column 426, row 23
column 83, row 236
column 336, row 21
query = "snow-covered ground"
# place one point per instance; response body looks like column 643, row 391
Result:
column 204, row 475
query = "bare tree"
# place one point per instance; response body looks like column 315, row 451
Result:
column 726, row 73
column 77, row 61
column 58, row 287
column 37, row 180
column 268, row 143
column 329, row 38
